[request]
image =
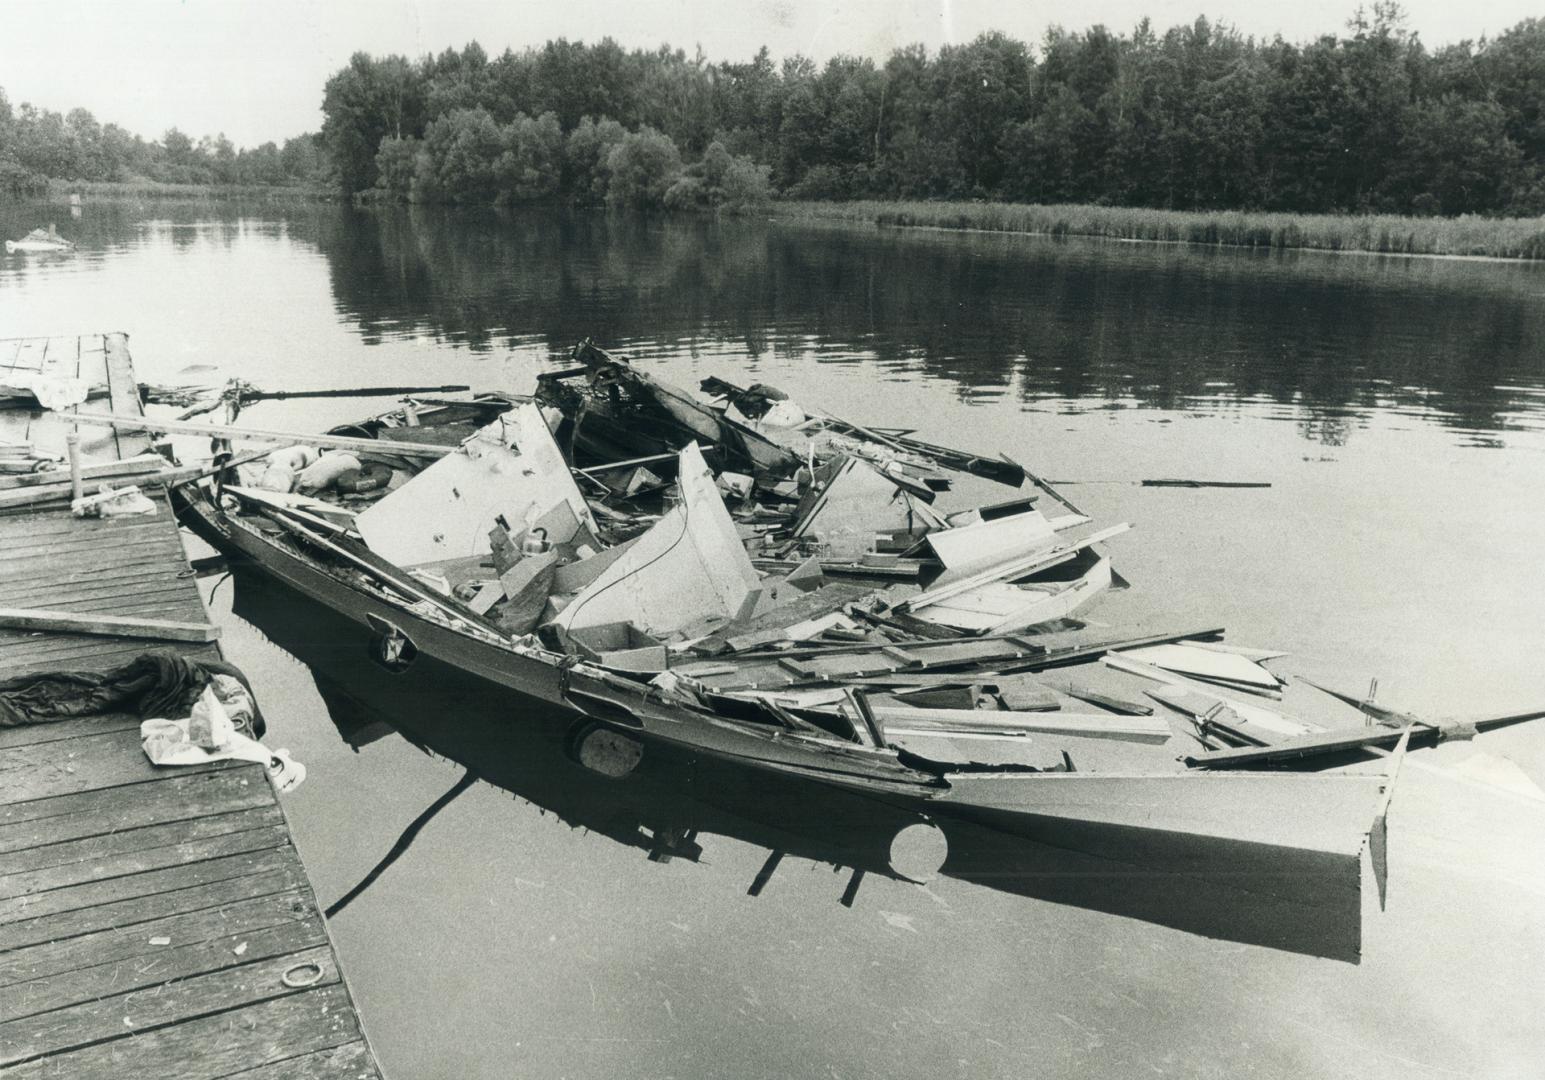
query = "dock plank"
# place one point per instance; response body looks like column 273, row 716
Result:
column 102, row 853
column 60, row 730
column 40, row 770
column 123, row 943
column 171, row 962
column 175, row 798
column 262, row 1034
column 143, row 859
column 120, row 1016
column 281, row 875
column 351, row 1061
column 101, row 849
column 109, row 899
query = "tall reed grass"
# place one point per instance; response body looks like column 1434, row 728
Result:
column 1504, row 238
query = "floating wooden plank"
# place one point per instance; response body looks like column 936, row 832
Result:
column 970, row 749
column 1268, row 719
column 1216, row 723
column 69, row 622
column 287, row 438
column 1011, row 570
column 1313, row 744
column 1088, row 725
column 1207, row 664
column 1107, row 701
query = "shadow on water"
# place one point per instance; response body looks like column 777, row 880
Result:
column 1156, row 326
column 675, row 801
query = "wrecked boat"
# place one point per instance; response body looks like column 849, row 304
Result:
column 776, row 645
column 40, row 242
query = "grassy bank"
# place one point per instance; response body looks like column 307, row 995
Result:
column 151, row 189
column 1506, row 238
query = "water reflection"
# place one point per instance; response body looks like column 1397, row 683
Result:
column 1321, row 339
column 1316, row 340
column 676, row 803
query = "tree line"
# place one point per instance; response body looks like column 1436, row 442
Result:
column 1198, row 117
column 39, row 144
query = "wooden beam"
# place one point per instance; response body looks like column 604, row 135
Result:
column 123, row 392
column 75, row 622
column 290, row 438
column 134, row 466
column 42, row 493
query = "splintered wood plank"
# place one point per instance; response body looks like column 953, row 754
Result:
column 89, row 654
column 169, row 963
column 139, row 861
column 123, row 943
column 123, row 392
column 40, row 771
column 261, row 1034
column 37, row 645
column 119, row 1016
column 98, row 905
column 351, row 1061
column 107, row 598
column 57, row 926
column 177, row 797
column 94, row 622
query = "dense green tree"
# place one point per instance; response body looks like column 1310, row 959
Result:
column 396, row 164
column 1195, row 117
column 362, row 104
column 460, row 158
column 642, row 168
column 586, row 173
column 531, row 165
column 721, row 180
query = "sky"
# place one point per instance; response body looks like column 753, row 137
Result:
column 255, row 70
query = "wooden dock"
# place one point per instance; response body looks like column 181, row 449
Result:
column 148, row 916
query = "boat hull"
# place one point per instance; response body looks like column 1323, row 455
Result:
column 535, row 683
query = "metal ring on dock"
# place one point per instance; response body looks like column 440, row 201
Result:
column 310, row 973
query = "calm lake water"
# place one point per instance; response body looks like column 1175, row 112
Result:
column 1396, row 407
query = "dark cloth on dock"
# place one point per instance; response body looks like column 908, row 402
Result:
column 158, row 682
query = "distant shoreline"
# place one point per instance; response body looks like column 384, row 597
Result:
column 150, row 189
column 1377, row 234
